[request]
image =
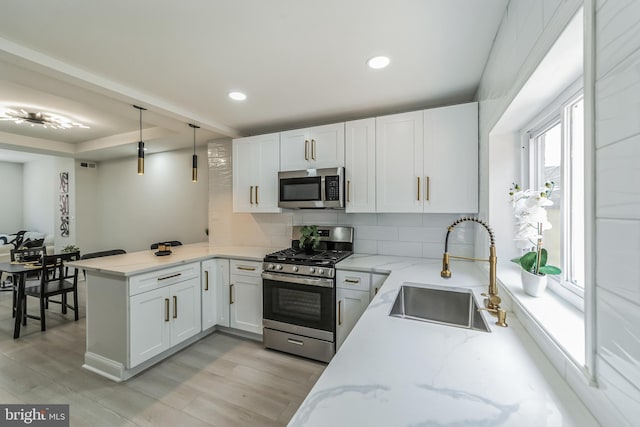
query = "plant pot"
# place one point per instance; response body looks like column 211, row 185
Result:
column 308, row 249
column 533, row 285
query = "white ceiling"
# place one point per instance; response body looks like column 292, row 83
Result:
column 300, row 63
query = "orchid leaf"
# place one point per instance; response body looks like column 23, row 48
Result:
column 550, row 269
column 543, row 256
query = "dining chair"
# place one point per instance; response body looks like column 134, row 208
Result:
column 172, row 243
column 56, row 279
column 26, row 255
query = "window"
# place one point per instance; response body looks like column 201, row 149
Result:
column 556, row 153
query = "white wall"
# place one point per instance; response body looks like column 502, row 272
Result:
column 87, row 211
column 527, row 31
column 128, row 211
column 11, row 193
column 415, row 235
column 40, row 183
column 617, row 158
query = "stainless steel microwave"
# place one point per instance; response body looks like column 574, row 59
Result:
column 312, row 189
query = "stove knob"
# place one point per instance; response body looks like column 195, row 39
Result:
column 271, row 267
column 278, row 267
column 312, row 270
column 295, row 268
column 320, row 271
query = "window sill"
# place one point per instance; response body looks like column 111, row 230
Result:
column 557, row 326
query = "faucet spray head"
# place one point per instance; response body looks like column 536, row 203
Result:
column 445, row 273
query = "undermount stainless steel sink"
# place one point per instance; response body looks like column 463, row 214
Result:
column 435, row 304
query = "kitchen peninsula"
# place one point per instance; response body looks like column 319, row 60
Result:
column 141, row 308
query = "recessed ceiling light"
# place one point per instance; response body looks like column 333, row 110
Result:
column 378, row 62
column 237, row 96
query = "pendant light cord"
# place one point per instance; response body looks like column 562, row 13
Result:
column 141, row 124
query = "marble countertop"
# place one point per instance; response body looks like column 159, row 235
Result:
column 134, row 263
column 400, row 372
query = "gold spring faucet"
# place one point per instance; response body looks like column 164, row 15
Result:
column 492, row 300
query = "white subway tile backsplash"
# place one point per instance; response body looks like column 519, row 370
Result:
column 400, row 219
column 410, row 249
column 321, row 217
column 432, row 250
column 377, row 232
column 413, row 234
column 362, row 246
column 355, row 219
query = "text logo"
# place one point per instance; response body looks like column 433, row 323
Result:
column 34, row 415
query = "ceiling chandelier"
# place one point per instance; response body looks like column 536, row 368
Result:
column 39, row 118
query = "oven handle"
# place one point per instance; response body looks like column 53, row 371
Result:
column 301, row 280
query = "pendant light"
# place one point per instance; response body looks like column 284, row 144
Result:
column 140, row 145
column 194, row 164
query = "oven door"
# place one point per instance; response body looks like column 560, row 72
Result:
column 300, row 304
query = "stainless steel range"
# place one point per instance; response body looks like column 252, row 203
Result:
column 299, row 288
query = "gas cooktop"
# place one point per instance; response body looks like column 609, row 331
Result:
column 298, row 256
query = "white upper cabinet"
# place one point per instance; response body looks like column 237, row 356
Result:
column 312, row 148
column 427, row 161
column 360, row 165
column 256, row 161
column 451, row 159
column 399, row 158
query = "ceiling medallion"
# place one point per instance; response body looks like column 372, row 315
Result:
column 40, row 118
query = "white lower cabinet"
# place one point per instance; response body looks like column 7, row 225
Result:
column 215, row 296
column 163, row 317
column 350, row 306
column 354, row 291
column 245, row 296
column 376, row 283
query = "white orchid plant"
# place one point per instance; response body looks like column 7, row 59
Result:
column 529, row 207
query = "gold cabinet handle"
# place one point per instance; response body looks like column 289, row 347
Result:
column 166, row 309
column 348, row 191
column 340, row 312
column 418, row 188
column 306, row 149
column 251, row 194
column 355, row 281
column 206, row 280
column 175, row 307
column 231, row 293
column 257, row 195
column 313, row 149
column 169, row 277
column 427, row 187
column 242, row 267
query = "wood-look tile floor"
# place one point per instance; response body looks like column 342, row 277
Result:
column 221, row 380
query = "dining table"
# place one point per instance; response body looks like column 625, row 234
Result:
column 19, row 271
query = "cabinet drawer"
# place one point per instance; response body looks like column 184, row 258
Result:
column 353, row 280
column 160, row 278
column 245, row 268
